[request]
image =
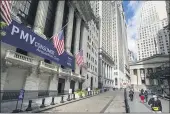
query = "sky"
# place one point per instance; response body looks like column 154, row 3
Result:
column 132, row 11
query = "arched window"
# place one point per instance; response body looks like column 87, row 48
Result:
column 115, row 81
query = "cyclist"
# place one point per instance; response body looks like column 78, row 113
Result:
column 155, row 103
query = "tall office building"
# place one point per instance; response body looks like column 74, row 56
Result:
column 168, row 11
column 152, row 20
column 162, row 38
column 120, row 49
column 113, row 60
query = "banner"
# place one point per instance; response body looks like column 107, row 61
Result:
column 20, row 36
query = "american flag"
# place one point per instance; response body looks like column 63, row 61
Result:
column 58, row 41
column 79, row 58
column 5, row 7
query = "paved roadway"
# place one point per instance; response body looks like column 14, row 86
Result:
column 112, row 101
column 100, row 103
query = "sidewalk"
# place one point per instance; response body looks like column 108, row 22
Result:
column 8, row 107
column 117, row 105
column 137, row 106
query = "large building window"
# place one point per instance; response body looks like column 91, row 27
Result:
column 48, row 31
column 27, row 11
column 18, row 50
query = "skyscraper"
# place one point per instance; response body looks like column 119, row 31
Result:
column 113, row 51
column 152, row 20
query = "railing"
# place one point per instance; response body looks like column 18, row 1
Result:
column 9, row 95
column 65, row 71
column 43, row 93
column 12, row 95
column 49, row 66
column 74, row 74
column 14, row 55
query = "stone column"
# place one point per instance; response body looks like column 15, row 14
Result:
column 146, row 79
column 76, row 85
column 69, row 29
column 53, row 87
column 105, row 70
column 139, row 77
column 83, row 46
column 40, row 17
column 155, row 81
column 76, row 43
column 108, row 72
column 67, row 85
column 102, row 68
column 58, row 17
column 31, row 84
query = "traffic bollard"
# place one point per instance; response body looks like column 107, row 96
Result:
column 62, row 101
column 43, row 103
column 52, row 102
column 29, row 108
column 74, row 97
column 68, row 99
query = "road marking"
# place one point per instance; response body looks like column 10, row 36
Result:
column 107, row 105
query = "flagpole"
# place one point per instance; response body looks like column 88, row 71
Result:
column 59, row 31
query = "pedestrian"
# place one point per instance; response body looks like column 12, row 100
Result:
column 131, row 93
column 142, row 97
column 146, row 95
column 155, row 103
column 142, row 91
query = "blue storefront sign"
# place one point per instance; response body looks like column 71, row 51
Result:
column 19, row 36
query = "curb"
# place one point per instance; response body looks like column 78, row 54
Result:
column 57, row 105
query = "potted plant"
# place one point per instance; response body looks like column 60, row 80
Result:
column 97, row 90
column 84, row 93
column 78, row 93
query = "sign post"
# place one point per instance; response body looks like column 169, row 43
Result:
column 20, row 97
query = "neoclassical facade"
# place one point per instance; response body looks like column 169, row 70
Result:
column 141, row 70
column 36, row 75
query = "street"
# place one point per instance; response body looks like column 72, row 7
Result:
column 112, row 101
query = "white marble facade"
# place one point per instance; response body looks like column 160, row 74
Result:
column 140, row 71
column 32, row 73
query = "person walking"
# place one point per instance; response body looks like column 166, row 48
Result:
column 131, row 93
column 142, row 97
column 146, row 95
column 155, row 103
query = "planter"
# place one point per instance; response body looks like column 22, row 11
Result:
column 83, row 95
column 77, row 95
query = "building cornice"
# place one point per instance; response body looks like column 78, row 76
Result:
column 148, row 63
column 85, row 11
column 154, row 56
column 107, row 56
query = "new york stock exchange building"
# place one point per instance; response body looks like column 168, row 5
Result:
column 29, row 59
